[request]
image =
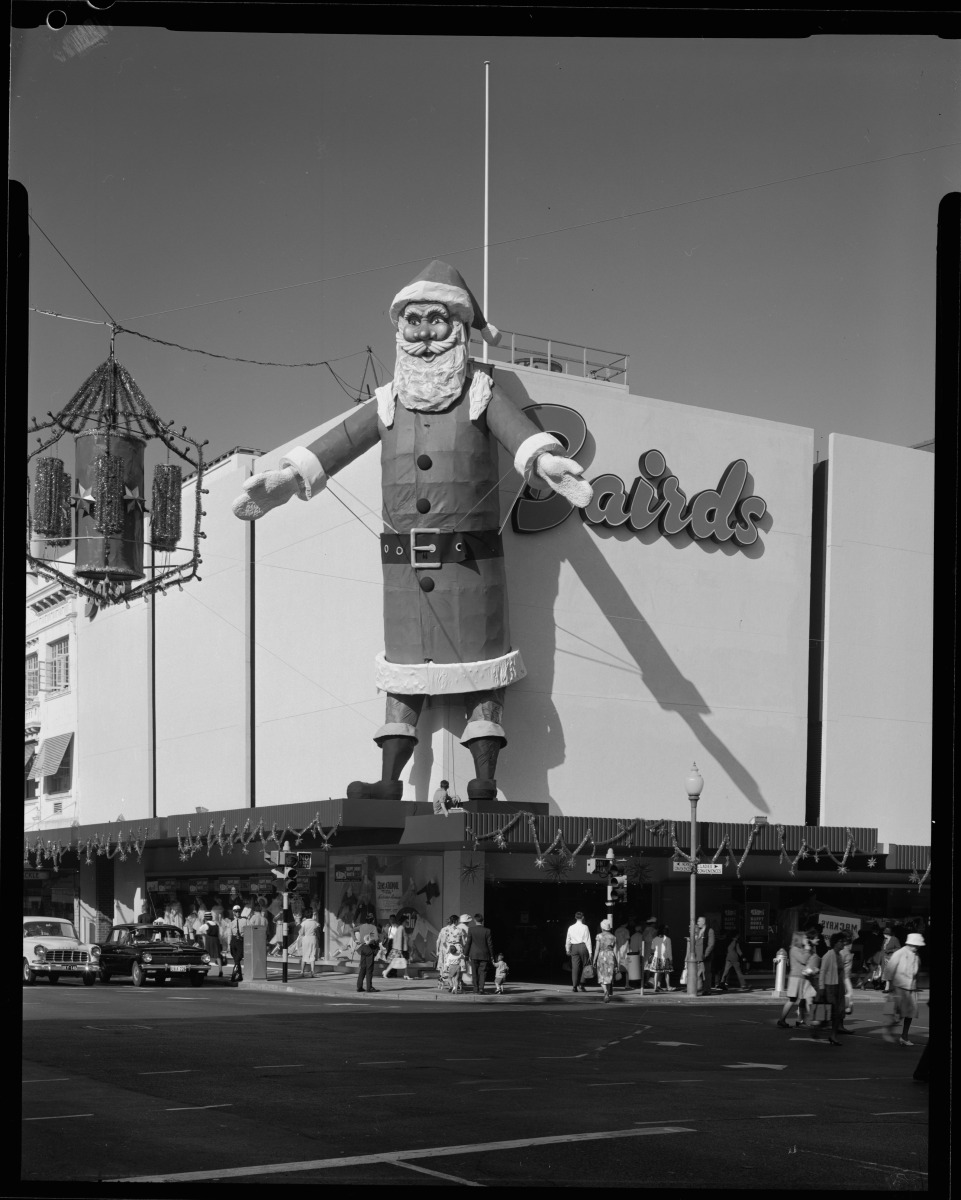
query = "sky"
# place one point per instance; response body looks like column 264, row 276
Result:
column 781, row 262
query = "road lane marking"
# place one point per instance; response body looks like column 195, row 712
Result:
column 467, row 1059
column 62, row 1117
column 383, row 1062
column 898, row 1112
column 863, row 1163
column 680, row 1081
column 614, row 1083
column 197, row 1107
column 741, row 1066
column 440, row 1175
column 778, row 1116
column 674, row 1043
column 381, row 1095
column 278, row 1066
column 184, row 1071
column 56, row 1079
column 397, row 1156
column 555, row 1057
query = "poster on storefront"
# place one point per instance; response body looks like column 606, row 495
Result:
column 161, row 885
column 388, row 889
column 729, row 920
column 756, row 920
column 348, row 872
column 835, row 924
column 197, row 887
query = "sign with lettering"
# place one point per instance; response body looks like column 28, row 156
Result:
column 721, row 514
column 161, row 885
column 835, row 924
column 756, row 921
column 197, row 886
column 36, row 874
column 348, row 872
column 729, row 920
column 260, row 883
column 389, row 889
column 702, row 868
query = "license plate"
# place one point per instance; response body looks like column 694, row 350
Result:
column 178, row 968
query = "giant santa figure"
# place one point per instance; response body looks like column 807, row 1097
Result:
column 445, row 593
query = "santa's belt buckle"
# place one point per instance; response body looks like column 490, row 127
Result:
column 433, row 548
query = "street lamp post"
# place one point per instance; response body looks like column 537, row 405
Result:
column 694, row 784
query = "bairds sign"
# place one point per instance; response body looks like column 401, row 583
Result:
column 654, row 498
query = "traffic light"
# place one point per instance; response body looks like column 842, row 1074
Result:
column 617, row 889
column 290, row 872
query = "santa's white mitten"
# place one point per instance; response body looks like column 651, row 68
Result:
column 563, row 475
column 265, row 491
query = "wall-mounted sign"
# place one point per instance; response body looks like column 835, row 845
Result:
column 36, row 874
column 161, row 885
column 729, row 920
column 702, row 868
column 260, row 883
column 654, row 498
column 197, row 886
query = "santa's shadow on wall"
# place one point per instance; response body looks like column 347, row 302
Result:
column 523, row 769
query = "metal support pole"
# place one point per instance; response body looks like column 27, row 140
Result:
column 487, row 67
column 692, row 979
column 286, row 913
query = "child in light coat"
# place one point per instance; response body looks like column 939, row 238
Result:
column 501, row 971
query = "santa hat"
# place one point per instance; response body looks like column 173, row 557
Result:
column 440, row 281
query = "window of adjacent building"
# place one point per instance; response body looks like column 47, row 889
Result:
column 32, row 677
column 58, row 665
column 61, row 780
column 29, row 789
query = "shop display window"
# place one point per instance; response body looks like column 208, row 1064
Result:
column 365, row 890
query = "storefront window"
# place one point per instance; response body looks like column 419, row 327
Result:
column 369, row 889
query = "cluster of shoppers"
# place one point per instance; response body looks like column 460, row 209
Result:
column 465, row 955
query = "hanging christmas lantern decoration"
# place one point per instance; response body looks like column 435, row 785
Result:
column 113, row 425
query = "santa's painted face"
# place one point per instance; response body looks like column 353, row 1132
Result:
column 423, row 325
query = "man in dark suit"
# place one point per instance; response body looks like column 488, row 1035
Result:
column 480, row 951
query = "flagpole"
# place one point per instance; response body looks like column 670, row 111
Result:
column 486, row 181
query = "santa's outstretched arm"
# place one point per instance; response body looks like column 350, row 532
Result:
column 536, row 453
column 304, row 470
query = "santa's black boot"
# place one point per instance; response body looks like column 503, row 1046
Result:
column 484, row 751
column 396, row 752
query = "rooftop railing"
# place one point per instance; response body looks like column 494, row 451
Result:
column 548, row 354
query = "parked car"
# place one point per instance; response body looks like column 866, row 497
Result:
column 51, row 947
column 155, row 952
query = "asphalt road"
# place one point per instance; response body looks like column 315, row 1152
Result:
column 182, row 1087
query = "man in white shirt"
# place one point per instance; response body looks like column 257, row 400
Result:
column 578, row 946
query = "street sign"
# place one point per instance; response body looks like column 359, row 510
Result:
column 702, row 868
column 299, row 858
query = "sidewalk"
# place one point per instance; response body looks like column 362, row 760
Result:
column 344, row 987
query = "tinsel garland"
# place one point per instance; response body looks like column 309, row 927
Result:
column 918, row 878
column 851, row 847
column 53, row 852
column 189, row 845
column 51, row 508
column 165, row 525
column 108, row 493
column 726, row 842
column 497, row 836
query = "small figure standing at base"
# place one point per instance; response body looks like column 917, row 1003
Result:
column 501, row 971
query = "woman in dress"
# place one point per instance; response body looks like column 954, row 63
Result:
column 660, row 962
column 210, row 932
column 605, row 962
column 799, row 957
column 308, row 942
column 396, row 940
column 455, row 962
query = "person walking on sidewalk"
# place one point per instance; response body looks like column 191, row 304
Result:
column 578, row 946
column 480, row 952
column 501, row 971
column 367, row 952
column 443, row 938
column 309, row 928
column 846, row 955
column 798, row 957
column 605, row 959
column 901, row 972
column 660, row 962
column 733, row 957
column 396, row 939
column 238, row 924
column 831, row 989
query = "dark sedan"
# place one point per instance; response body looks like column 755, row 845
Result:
column 157, row 952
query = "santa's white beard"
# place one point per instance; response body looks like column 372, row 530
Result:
column 429, row 385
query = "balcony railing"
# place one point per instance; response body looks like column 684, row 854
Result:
column 548, row 354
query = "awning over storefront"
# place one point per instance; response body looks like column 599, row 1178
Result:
column 50, row 755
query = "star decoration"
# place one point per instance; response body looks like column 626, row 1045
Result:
column 914, row 877
column 557, row 868
column 817, row 858
column 133, row 499
column 540, row 861
column 802, row 853
column 872, row 862
column 469, row 871
column 842, row 870
column 84, row 501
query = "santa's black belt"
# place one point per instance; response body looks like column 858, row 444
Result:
column 428, row 549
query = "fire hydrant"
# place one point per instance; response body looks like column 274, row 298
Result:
column 780, row 967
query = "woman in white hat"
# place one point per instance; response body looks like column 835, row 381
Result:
column 901, row 970
column 605, row 963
